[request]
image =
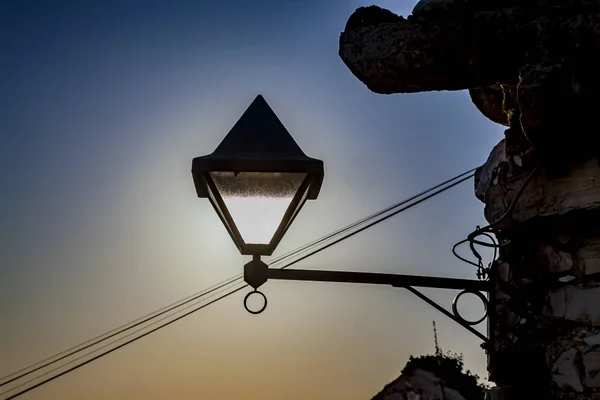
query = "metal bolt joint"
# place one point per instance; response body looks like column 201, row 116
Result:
column 255, row 273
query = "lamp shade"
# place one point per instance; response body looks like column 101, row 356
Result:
column 257, row 179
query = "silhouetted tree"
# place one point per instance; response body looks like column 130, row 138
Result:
column 449, row 368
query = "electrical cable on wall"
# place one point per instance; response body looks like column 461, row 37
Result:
column 490, row 229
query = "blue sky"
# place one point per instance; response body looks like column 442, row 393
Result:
column 105, row 103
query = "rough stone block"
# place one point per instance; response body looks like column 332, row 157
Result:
column 558, row 303
column 576, row 303
column 486, row 175
column 591, row 362
column 545, row 197
column 555, row 260
column 593, row 340
column 565, row 372
column 589, row 257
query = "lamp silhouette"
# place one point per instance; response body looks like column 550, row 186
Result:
column 258, row 179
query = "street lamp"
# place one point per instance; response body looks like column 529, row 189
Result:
column 258, row 179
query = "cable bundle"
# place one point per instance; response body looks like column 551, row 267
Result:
column 137, row 329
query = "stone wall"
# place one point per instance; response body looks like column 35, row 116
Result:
column 534, row 67
column 549, row 308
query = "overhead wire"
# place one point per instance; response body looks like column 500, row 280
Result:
column 73, row 368
column 110, row 334
column 294, row 262
column 108, row 344
column 379, row 221
column 377, row 214
column 116, row 331
column 157, row 313
column 463, row 177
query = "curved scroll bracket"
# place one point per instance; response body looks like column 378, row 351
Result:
column 481, row 297
column 455, row 315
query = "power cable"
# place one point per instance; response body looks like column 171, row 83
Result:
column 137, row 322
column 478, row 265
column 112, row 333
column 464, row 178
column 375, row 215
column 506, row 214
column 491, row 228
column 73, row 368
column 379, row 220
column 100, row 348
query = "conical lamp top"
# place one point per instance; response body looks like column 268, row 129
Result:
column 258, row 142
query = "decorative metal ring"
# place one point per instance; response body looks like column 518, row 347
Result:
column 483, row 299
column 246, row 302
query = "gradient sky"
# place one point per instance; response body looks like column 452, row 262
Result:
column 103, row 105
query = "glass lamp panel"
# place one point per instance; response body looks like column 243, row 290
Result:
column 257, row 201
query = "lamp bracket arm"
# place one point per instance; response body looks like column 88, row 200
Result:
column 263, row 273
column 257, row 273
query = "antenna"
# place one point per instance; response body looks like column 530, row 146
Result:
column 438, row 351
